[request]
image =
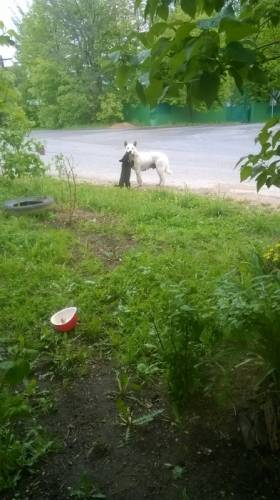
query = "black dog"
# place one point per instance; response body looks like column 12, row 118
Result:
column 127, row 165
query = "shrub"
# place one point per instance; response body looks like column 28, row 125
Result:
column 19, row 155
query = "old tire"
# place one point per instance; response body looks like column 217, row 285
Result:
column 26, row 205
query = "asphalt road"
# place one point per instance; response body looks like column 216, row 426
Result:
column 201, row 157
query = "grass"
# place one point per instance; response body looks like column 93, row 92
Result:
column 143, row 268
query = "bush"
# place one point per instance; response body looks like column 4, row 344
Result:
column 19, row 155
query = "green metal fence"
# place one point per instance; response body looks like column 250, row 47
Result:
column 165, row 114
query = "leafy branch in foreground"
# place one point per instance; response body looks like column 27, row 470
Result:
column 192, row 46
column 264, row 166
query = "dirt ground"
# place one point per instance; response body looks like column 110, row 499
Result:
column 204, row 458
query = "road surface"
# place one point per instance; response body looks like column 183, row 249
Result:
column 201, row 157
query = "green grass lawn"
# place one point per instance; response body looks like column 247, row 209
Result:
column 143, row 268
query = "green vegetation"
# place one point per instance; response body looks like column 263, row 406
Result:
column 184, row 52
column 63, row 47
column 177, row 287
column 264, row 166
column 19, row 155
column 197, row 49
column 196, row 46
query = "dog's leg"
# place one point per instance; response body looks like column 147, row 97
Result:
column 161, row 176
column 139, row 178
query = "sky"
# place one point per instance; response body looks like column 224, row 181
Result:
column 8, row 8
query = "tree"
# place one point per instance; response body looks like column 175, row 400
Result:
column 62, row 47
column 10, row 109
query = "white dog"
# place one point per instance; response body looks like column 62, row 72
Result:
column 144, row 161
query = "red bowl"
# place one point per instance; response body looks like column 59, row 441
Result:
column 65, row 320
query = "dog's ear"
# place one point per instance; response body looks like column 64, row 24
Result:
column 135, row 143
column 125, row 144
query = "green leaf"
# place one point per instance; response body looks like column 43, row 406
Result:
column 255, row 74
column 6, row 40
column 154, row 91
column 177, row 60
column 218, row 4
column 272, row 122
column 189, row 7
column 163, row 11
column 245, row 172
column 206, row 88
column 210, row 86
column 183, row 32
column 143, row 36
column 161, row 47
column 122, row 408
column 275, row 139
column 158, row 28
column 236, row 30
column 235, row 51
column 150, row 9
column 237, row 78
column 206, row 46
column 149, row 417
column 208, row 6
column 261, row 180
column 263, row 136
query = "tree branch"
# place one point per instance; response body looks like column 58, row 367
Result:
column 276, row 42
column 272, row 58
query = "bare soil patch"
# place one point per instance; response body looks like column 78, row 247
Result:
column 61, row 217
column 109, row 248
column 203, row 459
